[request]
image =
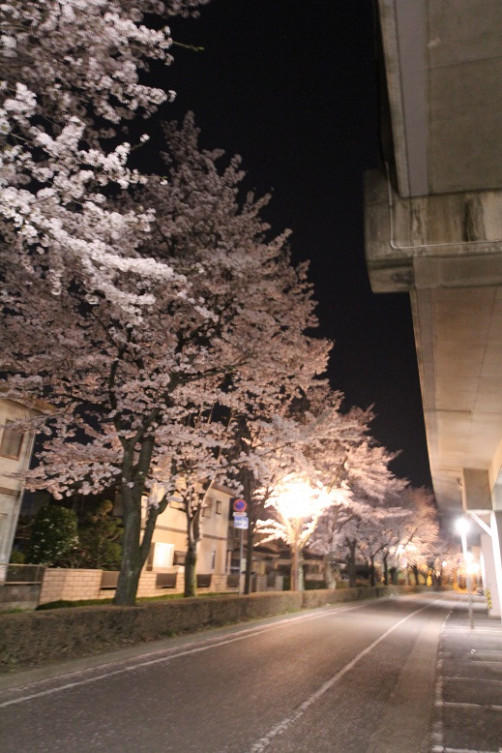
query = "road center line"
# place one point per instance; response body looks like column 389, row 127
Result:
column 264, row 742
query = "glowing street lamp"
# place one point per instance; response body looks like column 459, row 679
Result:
column 297, row 502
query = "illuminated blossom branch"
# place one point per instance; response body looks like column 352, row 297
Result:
column 298, row 506
column 71, row 75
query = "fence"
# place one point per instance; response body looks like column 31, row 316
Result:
column 27, row 586
column 22, row 587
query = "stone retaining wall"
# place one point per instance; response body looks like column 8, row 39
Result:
column 19, row 596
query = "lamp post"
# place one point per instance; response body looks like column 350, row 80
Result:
column 462, row 526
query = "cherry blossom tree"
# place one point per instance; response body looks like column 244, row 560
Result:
column 444, row 565
column 297, row 505
column 422, row 537
column 408, row 535
column 372, row 486
column 71, row 79
column 269, row 443
column 128, row 390
column 394, row 533
column 326, row 540
column 339, row 534
column 335, row 457
column 373, row 535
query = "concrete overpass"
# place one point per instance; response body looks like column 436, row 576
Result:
column 434, row 229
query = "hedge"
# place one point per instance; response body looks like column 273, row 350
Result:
column 30, row 639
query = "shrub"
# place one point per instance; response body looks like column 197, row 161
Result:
column 53, row 536
column 314, row 585
column 17, row 557
column 64, row 604
column 100, row 535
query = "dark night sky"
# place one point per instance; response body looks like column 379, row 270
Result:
column 290, row 85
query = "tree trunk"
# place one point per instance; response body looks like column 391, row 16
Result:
column 328, row 573
column 351, row 561
column 191, row 570
column 372, row 570
column 437, row 578
column 385, row 563
column 134, row 547
column 132, row 560
column 295, row 566
column 193, row 537
column 416, row 573
column 301, row 572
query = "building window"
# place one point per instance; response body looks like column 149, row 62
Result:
column 11, row 442
column 213, row 559
column 217, row 508
column 162, row 555
column 208, row 508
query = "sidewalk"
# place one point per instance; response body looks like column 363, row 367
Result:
column 468, row 703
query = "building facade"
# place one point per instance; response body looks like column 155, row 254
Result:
column 16, row 447
column 169, row 542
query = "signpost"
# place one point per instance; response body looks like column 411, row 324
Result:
column 241, row 521
column 240, row 506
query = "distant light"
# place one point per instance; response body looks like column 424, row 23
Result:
column 462, row 525
column 296, row 498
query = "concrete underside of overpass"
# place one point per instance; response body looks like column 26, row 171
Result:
column 434, row 228
column 457, row 315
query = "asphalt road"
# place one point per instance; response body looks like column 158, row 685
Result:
column 356, row 678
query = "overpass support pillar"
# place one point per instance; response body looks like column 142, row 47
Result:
column 491, row 547
column 485, row 506
column 488, row 556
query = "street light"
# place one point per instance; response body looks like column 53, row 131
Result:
column 462, row 525
column 293, row 504
column 297, row 501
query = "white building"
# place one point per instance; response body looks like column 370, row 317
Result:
column 15, row 453
column 169, row 542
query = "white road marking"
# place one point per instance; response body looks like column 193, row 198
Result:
column 479, row 680
column 440, row 749
column 264, row 742
column 459, row 704
column 170, row 654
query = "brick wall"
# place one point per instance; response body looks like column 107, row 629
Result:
column 218, row 583
column 70, row 585
column 76, row 585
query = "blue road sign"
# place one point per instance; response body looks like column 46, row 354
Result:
column 241, row 521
